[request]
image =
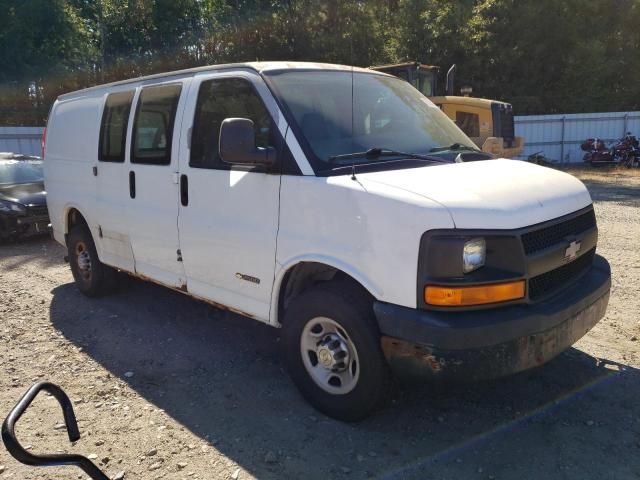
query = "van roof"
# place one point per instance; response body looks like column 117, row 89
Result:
column 257, row 66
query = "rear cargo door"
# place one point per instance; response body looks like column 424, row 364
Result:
column 111, row 180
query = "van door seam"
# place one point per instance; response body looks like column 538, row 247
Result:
column 275, row 253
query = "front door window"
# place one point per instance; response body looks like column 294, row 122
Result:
column 218, row 100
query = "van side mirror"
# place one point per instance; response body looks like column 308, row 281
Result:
column 237, row 144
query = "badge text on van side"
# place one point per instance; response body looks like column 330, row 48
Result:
column 248, row 278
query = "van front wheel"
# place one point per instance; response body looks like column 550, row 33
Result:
column 333, row 351
column 92, row 277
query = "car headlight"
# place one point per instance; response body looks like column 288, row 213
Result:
column 474, row 254
column 11, row 207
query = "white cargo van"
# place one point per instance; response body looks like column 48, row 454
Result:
column 332, row 202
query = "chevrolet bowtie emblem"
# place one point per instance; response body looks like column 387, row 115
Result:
column 572, row 250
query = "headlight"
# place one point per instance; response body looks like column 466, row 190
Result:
column 474, row 254
column 11, row 207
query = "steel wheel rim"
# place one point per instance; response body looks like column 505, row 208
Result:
column 329, row 356
column 83, row 259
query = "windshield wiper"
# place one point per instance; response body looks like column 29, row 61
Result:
column 454, row 147
column 375, row 153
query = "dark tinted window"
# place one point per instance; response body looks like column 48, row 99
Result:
column 113, row 130
column 153, row 126
column 340, row 112
column 403, row 74
column 220, row 99
column 469, row 123
column 426, row 83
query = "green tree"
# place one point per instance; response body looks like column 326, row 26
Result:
column 542, row 55
column 42, row 43
column 549, row 56
column 41, row 37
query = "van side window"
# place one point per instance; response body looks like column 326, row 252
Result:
column 153, row 125
column 219, row 99
column 113, row 128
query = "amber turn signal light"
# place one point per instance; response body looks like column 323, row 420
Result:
column 478, row 295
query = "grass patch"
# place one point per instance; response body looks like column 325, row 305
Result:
column 605, row 174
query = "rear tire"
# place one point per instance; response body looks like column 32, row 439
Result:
column 333, row 352
column 92, row 277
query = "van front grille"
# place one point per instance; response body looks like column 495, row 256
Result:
column 553, row 280
column 546, row 237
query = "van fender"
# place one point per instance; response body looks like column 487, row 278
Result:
column 338, row 264
column 94, row 233
column 65, row 215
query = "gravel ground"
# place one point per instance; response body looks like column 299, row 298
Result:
column 167, row 387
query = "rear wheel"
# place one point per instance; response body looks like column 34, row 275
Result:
column 333, row 351
column 92, row 277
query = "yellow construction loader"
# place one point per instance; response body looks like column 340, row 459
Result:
column 489, row 123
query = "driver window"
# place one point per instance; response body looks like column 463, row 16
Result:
column 219, row 99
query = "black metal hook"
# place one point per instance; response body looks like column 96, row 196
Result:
column 56, row 460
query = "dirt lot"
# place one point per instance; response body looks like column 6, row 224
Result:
column 166, row 387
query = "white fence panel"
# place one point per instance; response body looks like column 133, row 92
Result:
column 559, row 136
column 25, row 140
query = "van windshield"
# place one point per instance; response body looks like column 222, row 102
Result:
column 384, row 112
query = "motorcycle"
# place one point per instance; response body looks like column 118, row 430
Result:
column 597, row 151
column 631, row 154
column 625, row 151
column 632, row 160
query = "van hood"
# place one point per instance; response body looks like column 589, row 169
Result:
column 492, row 194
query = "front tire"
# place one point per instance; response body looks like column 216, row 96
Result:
column 92, row 277
column 333, row 352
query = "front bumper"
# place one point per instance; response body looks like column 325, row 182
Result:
column 491, row 343
column 14, row 225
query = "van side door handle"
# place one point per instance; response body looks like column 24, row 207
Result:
column 132, row 184
column 184, row 190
